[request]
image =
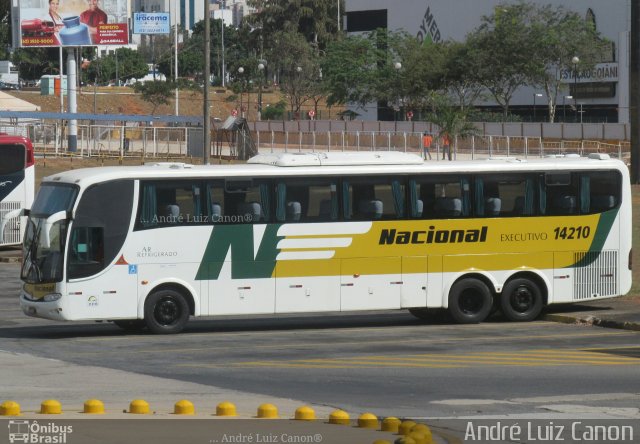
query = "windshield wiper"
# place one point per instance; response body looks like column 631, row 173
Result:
column 31, row 257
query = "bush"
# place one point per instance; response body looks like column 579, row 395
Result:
column 274, row 112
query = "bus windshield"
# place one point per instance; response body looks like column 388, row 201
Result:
column 44, row 252
column 13, row 159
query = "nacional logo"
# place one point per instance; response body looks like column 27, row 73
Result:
column 432, row 236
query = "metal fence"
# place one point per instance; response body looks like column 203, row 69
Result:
column 475, row 147
column 148, row 141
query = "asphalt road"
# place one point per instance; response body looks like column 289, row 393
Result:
column 384, row 362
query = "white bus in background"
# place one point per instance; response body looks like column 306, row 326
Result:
column 150, row 246
column 17, row 183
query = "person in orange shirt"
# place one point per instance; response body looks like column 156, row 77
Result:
column 446, row 146
column 426, row 145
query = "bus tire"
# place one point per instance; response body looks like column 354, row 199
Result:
column 166, row 312
column 470, row 301
column 521, row 300
column 131, row 325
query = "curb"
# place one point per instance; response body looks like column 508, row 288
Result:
column 592, row 320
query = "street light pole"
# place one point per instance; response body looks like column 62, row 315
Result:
column 575, row 60
column 534, row 104
column 241, row 71
column 206, row 110
column 261, row 71
column 396, row 107
column 564, row 107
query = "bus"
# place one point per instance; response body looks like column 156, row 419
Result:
column 17, row 185
column 149, row 246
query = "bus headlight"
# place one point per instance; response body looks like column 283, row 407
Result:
column 52, row 297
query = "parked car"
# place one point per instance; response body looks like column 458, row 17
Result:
column 9, row 86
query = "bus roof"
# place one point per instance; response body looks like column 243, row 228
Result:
column 271, row 165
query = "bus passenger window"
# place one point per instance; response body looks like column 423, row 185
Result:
column 599, row 191
column 562, row 192
column 306, row 200
column 440, row 197
column 249, row 201
column 374, row 198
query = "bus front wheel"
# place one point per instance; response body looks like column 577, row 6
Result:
column 470, row 301
column 166, row 312
column 521, row 300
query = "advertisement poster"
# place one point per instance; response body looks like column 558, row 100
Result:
column 73, row 22
column 151, row 23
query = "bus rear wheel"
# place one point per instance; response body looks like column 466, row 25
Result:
column 470, row 301
column 166, row 312
column 521, row 300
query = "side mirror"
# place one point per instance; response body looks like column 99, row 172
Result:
column 48, row 224
column 7, row 217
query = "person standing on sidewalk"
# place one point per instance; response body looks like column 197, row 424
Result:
column 446, row 146
column 426, row 145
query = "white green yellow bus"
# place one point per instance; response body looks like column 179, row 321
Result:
column 150, row 246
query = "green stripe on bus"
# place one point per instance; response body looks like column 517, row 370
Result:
column 599, row 238
column 239, row 238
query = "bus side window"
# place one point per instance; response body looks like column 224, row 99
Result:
column 562, row 195
column 374, row 199
column 249, row 200
column 599, row 191
column 86, row 254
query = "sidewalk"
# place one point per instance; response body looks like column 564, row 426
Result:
column 623, row 313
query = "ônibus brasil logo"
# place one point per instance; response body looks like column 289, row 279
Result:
column 33, row 432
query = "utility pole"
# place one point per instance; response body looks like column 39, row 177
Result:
column 206, row 111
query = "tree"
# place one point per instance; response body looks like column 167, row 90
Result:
column 155, row 92
column 33, row 63
column 452, row 120
column 5, row 29
column 316, row 20
column 557, row 35
column 504, row 51
column 297, row 66
column 461, row 69
column 349, row 70
column 127, row 64
column 385, row 67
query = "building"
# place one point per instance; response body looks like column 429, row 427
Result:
column 600, row 95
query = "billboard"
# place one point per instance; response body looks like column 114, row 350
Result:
column 73, row 22
column 151, row 23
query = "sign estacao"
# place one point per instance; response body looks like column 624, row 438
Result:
column 151, row 23
column 601, row 72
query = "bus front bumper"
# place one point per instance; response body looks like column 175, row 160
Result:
column 41, row 309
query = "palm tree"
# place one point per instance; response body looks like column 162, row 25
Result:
column 453, row 122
